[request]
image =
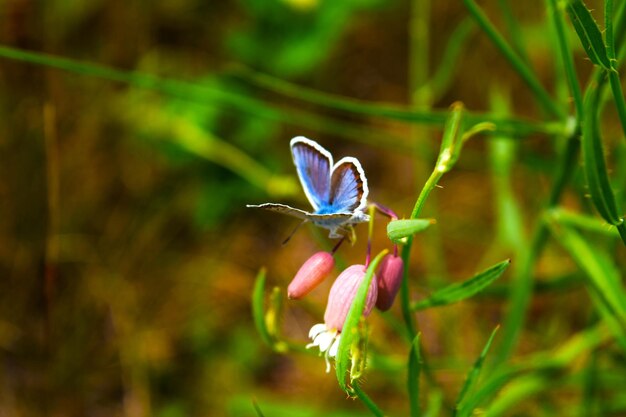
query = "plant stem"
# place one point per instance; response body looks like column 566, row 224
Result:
column 207, row 94
column 367, row 401
column 566, row 57
column 516, row 62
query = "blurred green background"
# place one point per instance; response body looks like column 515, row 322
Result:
column 127, row 256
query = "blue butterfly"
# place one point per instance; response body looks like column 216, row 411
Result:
column 338, row 193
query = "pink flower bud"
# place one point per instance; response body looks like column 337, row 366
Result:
column 342, row 295
column 389, row 280
column 310, row 274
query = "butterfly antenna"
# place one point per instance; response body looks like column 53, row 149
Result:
column 293, row 232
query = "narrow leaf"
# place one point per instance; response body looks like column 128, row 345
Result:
column 413, row 381
column 581, row 221
column 594, row 163
column 460, row 291
column 350, row 328
column 473, row 374
column 398, row 230
column 589, row 33
column 258, row 313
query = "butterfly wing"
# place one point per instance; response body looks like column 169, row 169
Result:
column 348, row 187
column 313, row 164
column 335, row 222
column 282, row 208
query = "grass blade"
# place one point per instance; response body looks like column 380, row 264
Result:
column 460, row 291
column 474, row 373
column 399, row 230
column 413, row 380
column 603, row 275
column 349, row 333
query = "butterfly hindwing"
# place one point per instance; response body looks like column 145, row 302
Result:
column 313, row 164
column 348, row 187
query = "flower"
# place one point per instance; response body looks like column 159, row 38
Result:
column 389, row 280
column 326, row 335
column 310, row 274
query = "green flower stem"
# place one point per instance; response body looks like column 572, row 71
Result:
column 450, row 148
column 516, row 62
column 566, row 57
column 405, row 296
column 365, row 399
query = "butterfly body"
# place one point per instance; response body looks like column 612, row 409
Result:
column 338, row 192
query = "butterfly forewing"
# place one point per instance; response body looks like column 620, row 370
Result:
column 348, row 187
column 313, row 164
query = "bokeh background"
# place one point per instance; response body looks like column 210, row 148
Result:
column 127, row 256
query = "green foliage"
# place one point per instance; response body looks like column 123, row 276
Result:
column 474, row 373
column 454, row 293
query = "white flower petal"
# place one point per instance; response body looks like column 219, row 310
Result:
column 332, row 352
column 325, row 340
column 317, row 329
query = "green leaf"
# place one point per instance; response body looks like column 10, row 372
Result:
column 460, row 291
column 581, row 221
column 604, row 278
column 413, row 381
column 350, row 330
column 589, row 33
column 258, row 311
column 398, row 230
column 594, row 164
column 473, row 374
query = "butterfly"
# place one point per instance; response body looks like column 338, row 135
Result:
column 338, row 192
